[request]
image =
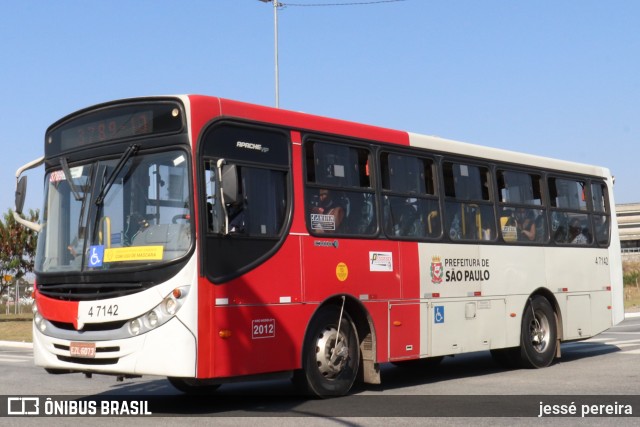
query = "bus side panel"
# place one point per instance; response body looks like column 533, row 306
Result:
column 581, row 285
column 466, row 325
column 404, row 333
column 206, row 328
column 200, row 110
column 379, row 313
column 276, row 281
column 615, row 263
column 259, row 339
column 409, row 270
column 297, row 223
column 478, row 277
column 404, row 317
column 367, row 270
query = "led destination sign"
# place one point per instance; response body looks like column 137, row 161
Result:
column 108, row 129
column 102, row 125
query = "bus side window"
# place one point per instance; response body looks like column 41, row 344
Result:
column 602, row 225
column 468, row 207
column 260, row 210
column 600, row 206
column 411, row 208
column 523, row 217
column 571, row 220
column 339, row 195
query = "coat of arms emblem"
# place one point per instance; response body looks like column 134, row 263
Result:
column 436, row 270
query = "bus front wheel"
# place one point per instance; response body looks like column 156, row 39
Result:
column 331, row 358
column 539, row 334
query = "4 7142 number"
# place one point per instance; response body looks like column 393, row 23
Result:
column 103, row 310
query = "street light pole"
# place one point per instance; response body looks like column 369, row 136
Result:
column 276, row 4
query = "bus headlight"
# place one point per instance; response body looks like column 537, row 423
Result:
column 152, row 318
column 38, row 320
column 170, row 306
column 160, row 314
column 134, row 327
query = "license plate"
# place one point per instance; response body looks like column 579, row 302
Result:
column 83, row 349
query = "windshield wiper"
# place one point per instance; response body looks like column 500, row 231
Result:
column 67, row 175
column 130, row 151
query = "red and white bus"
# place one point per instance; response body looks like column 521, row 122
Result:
column 209, row 240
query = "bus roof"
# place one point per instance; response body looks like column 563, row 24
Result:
column 508, row 156
column 309, row 122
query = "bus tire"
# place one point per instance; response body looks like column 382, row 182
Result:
column 328, row 370
column 193, row 386
column 539, row 334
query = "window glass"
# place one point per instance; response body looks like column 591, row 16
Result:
column 245, row 170
column 466, row 182
column 523, row 225
column 601, row 220
column 519, row 222
column 339, row 194
column 602, row 226
column 411, row 209
column 338, row 165
column 598, row 191
column 143, row 215
column 567, row 194
column 406, row 174
column 519, row 187
column 571, row 228
column 469, row 213
column 411, row 217
column 469, row 221
column 260, row 203
column 571, row 221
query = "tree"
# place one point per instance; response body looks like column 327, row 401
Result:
column 17, row 248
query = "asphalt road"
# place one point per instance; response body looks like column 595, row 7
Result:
column 597, row 371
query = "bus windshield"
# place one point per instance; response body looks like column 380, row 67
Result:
column 116, row 213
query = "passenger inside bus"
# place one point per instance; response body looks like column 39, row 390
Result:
column 576, row 233
column 326, row 214
column 525, row 224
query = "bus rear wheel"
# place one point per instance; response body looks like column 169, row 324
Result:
column 330, row 358
column 539, row 334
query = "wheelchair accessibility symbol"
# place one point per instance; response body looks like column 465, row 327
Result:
column 438, row 314
column 96, row 254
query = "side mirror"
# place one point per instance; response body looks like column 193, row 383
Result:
column 229, row 183
column 21, row 193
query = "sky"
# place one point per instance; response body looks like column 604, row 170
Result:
column 556, row 78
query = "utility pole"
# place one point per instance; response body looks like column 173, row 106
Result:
column 276, row 4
